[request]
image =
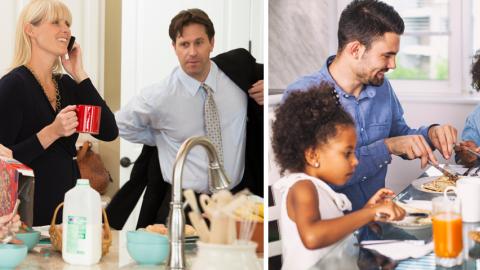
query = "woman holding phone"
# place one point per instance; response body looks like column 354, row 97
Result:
column 38, row 103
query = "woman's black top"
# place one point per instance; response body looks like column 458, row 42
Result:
column 24, row 111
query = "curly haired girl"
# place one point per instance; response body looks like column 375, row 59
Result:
column 314, row 144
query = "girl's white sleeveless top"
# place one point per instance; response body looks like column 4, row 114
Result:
column 340, row 255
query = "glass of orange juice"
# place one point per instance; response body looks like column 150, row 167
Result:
column 447, row 231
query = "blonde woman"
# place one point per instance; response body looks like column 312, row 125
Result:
column 38, row 102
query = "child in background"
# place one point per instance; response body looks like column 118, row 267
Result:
column 314, row 141
column 471, row 130
column 8, row 223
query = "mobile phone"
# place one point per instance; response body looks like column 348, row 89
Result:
column 70, row 43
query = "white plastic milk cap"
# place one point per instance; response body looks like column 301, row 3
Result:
column 82, row 182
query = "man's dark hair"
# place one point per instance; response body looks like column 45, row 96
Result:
column 367, row 20
column 476, row 71
column 306, row 119
column 187, row 17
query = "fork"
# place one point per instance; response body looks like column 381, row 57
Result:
column 469, row 170
column 476, row 172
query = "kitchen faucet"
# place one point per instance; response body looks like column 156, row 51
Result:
column 218, row 180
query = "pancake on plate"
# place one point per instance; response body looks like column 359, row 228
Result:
column 439, row 184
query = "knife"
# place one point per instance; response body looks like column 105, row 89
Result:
column 453, row 176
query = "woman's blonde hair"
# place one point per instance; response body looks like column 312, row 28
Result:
column 35, row 13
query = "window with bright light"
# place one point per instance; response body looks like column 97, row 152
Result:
column 424, row 45
column 476, row 25
column 436, row 46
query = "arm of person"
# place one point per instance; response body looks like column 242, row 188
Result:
column 471, row 131
column 86, row 93
column 441, row 137
column 317, row 233
column 463, row 156
column 64, row 125
column 470, row 139
column 134, row 121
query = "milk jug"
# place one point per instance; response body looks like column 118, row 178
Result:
column 82, row 225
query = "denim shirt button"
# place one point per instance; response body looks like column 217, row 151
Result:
column 386, row 162
column 380, row 165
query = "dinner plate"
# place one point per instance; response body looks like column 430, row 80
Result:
column 417, row 183
column 411, row 223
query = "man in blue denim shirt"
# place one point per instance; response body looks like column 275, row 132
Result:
column 369, row 39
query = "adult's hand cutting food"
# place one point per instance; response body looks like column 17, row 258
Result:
column 411, row 147
column 443, row 137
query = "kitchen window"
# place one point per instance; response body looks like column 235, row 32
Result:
column 436, row 48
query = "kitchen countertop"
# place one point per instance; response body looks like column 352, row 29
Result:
column 43, row 257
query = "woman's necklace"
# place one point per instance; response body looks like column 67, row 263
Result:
column 53, row 100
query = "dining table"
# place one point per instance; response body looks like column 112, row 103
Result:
column 471, row 249
column 366, row 259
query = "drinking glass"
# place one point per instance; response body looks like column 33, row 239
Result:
column 447, row 231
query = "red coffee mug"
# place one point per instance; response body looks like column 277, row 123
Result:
column 88, row 119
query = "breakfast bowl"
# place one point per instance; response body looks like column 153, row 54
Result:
column 12, row 255
column 30, row 239
column 147, row 248
column 148, row 254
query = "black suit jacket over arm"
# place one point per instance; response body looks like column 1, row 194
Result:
column 241, row 67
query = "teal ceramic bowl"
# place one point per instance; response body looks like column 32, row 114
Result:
column 30, row 239
column 144, row 237
column 12, row 255
column 148, row 254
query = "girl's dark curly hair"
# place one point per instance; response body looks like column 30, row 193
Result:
column 306, row 119
column 476, row 72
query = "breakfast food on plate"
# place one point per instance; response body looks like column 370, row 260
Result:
column 439, row 184
column 162, row 229
column 419, row 208
column 157, row 228
column 415, row 217
column 410, row 221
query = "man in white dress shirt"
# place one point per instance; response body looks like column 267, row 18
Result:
column 167, row 113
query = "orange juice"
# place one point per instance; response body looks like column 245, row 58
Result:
column 447, row 235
